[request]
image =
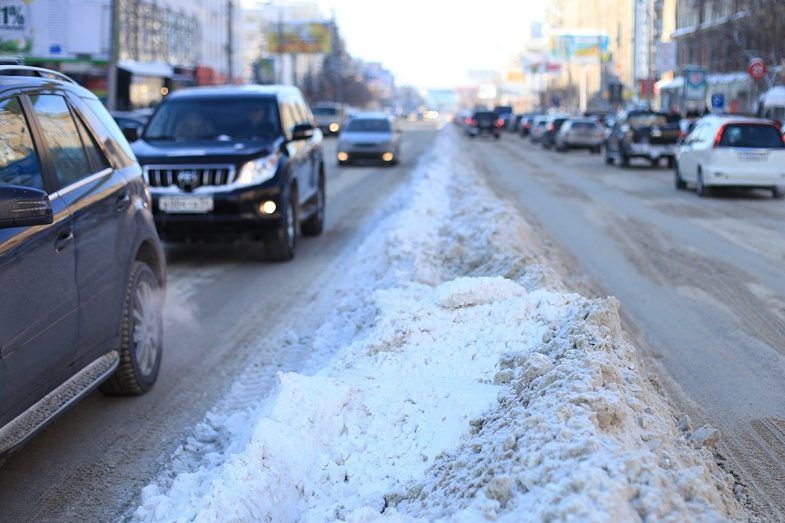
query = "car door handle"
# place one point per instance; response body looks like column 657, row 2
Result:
column 65, row 237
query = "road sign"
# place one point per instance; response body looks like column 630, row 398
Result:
column 757, row 69
column 717, row 101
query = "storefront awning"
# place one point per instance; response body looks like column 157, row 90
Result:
column 156, row 69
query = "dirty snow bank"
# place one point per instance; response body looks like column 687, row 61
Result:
column 469, row 385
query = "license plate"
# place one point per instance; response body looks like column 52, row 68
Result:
column 192, row 204
column 753, row 157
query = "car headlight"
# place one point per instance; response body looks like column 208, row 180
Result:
column 259, row 170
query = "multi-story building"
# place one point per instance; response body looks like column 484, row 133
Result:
column 160, row 44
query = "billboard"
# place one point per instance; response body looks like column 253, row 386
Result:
column 695, row 84
column 300, row 38
column 580, row 47
column 40, row 29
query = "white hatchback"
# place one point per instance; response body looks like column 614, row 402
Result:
column 729, row 151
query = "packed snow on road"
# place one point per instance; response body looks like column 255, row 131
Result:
column 460, row 380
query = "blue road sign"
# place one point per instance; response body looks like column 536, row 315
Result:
column 717, row 101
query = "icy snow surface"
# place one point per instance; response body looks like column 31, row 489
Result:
column 466, row 384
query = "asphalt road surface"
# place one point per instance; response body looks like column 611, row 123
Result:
column 701, row 282
column 223, row 303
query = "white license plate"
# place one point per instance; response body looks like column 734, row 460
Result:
column 193, row 204
column 753, row 157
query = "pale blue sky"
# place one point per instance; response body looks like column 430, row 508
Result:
column 433, row 43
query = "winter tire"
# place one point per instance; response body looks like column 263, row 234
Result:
column 314, row 225
column 141, row 335
column 280, row 245
column 678, row 181
column 700, row 186
column 778, row 192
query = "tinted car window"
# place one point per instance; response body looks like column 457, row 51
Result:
column 325, row 111
column 94, row 155
column 583, row 126
column 370, row 125
column 62, row 137
column 19, row 164
column 108, row 132
column 233, row 119
column 751, row 135
column 647, row 119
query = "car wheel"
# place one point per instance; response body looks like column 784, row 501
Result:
column 625, row 160
column 671, row 162
column 678, row 181
column 141, row 335
column 280, row 245
column 778, row 192
column 654, row 162
column 700, row 186
column 496, row 136
column 608, row 158
column 314, row 225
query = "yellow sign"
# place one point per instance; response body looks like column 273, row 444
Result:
column 299, row 38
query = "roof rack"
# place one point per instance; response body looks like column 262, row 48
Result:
column 43, row 73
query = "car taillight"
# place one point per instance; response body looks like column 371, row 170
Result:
column 500, row 123
column 550, row 127
column 470, row 121
column 527, row 125
column 719, row 136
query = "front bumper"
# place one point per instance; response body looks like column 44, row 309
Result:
column 376, row 152
column 236, row 215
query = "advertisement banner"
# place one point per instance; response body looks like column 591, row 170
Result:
column 300, row 38
column 580, row 47
column 16, row 35
column 695, row 84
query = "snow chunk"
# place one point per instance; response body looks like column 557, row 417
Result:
column 468, row 292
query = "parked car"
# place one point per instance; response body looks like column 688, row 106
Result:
column 369, row 136
column 539, row 125
column 330, row 117
column 580, row 133
column 81, row 268
column 729, row 151
column 235, row 162
column 526, row 125
column 552, row 126
column 484, row 122
column 642, row 134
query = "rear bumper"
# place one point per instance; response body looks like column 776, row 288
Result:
column 236, row 215
column 483, row 130
column 743, row 177
column 652, row 151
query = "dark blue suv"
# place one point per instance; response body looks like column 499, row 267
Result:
column 235, row 162
column 81, row 267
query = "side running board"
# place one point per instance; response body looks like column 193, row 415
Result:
column 28, row 423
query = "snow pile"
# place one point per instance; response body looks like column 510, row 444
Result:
column 473, row 387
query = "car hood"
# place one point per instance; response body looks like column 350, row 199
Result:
column 365, row 137
column 199, row 151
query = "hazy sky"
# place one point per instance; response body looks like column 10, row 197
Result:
column 433, row 43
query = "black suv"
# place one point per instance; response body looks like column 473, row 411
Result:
column 81, row 267
column 239, row 162
column 643, row 134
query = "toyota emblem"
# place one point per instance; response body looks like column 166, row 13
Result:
column 187, row 179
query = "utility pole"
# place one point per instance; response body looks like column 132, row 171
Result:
column 230, row 40
column 114, row 52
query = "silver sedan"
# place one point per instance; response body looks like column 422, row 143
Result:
column 369, row 136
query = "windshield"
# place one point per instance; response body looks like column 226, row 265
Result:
column 647, row 119
column 235, row 119
column 369, row 125
column 751, row 136
column 325, row 111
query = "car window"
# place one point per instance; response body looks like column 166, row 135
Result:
column 98, row 161
column 369, row 125
column 62, row 138
column 107, row 130
column 751, row 136
column 219, row 118
column 288, row 118
column 19, row 163
column 325, row 111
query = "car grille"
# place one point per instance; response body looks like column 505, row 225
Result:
column 188, row 177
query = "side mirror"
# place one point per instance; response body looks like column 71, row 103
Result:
column 303, row 131
column 23, row 206
column 131, row 133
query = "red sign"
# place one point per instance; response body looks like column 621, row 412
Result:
column 757, row 69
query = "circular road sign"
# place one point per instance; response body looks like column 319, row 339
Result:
column 757, row 69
